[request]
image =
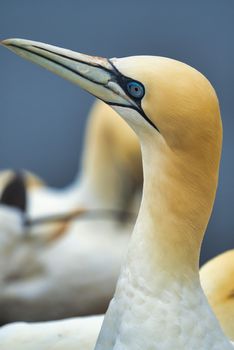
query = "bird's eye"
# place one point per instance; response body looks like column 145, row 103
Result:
column 135, row 89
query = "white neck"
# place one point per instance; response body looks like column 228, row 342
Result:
column 105, row 180
column 106, row 187
column 111, row 161
column 159, row 303
column 89, row 193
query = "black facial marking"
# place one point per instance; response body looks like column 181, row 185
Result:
column 14, row 194
column 122, row 80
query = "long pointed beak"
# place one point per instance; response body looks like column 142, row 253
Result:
column 95, row 74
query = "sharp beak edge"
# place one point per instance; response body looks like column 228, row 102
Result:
column 97, row 75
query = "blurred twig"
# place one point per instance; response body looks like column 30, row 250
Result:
column 101, row 214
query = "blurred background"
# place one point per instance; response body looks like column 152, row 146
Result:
column 43, row 116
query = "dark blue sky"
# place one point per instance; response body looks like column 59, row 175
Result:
column 43, row 116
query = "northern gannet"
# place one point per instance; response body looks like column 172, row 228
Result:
column 65, row 269
column 217, row 280
column 159, row 302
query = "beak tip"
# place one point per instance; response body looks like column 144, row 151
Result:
column 6, row 42
column 3, row 42
column 9, row 42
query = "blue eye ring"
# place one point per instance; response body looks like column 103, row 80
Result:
column 135, row 89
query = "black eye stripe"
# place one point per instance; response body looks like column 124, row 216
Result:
column 122, row 81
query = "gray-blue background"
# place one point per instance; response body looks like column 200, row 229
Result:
column 42, row 117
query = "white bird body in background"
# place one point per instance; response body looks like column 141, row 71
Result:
column 69, row 268
column 159, row 302
column 56, row 335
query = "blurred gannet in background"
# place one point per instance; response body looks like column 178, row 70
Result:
column 217, row 280
column 110, row 170
column 110, row 175
column 111, row 151
column 159, row 302
column 70, row 268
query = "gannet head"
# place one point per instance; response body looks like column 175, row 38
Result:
column 156, row 95
column 178, row 100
